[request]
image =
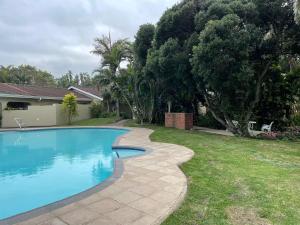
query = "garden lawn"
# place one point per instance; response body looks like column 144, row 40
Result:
column 235, row 180
column 96, row 122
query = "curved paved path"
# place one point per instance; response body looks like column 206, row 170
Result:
column 150, row 188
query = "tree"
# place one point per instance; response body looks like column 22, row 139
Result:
column 26, row 74
column 113, row 55
column 236, row 54
column 70, row 106
column 168, row 61
column 66, row 80
column 142, row 44
column 85, row 80
column 142, row 87
column 79, row 80
column 297, row 11
column 106, row 94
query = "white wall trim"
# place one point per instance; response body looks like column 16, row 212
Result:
column 85, row 93
column 37, row 97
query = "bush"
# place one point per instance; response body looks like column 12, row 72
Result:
column 296, row 120
column 96, row 110
column 209, row 121
column 292, row 133
column 125, row 115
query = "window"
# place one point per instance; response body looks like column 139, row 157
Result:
column 18, row 105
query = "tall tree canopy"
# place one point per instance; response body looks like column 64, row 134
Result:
column 70, row 79
column 25, row 74
column 238, row 53
column 226, row 54
column 297, row 10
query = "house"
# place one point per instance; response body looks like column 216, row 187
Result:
column 41, row 106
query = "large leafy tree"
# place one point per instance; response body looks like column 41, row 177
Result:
column 142, row 44
column 237, row 52
column 141, row 86
column 297, row 10
column 168, row 60
column 66, row 80
column 25, row 74
column 71, row 79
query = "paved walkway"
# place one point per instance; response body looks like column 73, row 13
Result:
column 213, row 131
column 151, row 187
column 120, row 123
column 222, row 132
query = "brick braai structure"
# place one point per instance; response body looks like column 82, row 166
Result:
column 182, row 121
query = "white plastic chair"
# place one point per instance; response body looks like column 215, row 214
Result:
column 266, row 127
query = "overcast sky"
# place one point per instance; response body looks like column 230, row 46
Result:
column 57, row 35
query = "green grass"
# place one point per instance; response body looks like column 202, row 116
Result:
column 96, row 122
column 230, row 175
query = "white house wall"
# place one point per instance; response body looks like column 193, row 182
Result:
column 47, row 115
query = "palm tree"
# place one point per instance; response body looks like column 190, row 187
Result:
column 107, row 98
column 113, row 55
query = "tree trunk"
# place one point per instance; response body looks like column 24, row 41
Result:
column 245, row 129
column 125, row 97
column 108, row 107
column 118, row 108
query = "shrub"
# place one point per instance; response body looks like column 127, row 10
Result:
column 268, row 135
column 209, row 121
column 296, row 120
column 291, row 133
column 70, row 106
column 96, row 110
column 125, row 115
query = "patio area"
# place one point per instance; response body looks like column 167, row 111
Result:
column 151, row 188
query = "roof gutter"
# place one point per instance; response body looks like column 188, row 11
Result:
column 38, row 97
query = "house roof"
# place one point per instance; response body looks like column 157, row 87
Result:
column 37, row 92
column 90, row 92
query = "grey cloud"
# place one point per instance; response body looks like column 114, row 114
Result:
column 58, row 35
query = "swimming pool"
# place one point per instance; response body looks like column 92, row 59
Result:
column 40, row 167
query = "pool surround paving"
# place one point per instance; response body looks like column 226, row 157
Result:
column 143, row 190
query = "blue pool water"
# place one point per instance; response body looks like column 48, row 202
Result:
column 41, row 167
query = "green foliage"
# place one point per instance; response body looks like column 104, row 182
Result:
column 177, row 22
column 236, row 56
column 278, row 98
column 70, row 79
column 296, row 120
column 225, row 54
column 297, row 11
column 70, row 106
column 30, row 75
column 96, row 110
column 143, row 42
column 209, row 121
column 25, row 74
column 113, row 54
column 141, row 86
